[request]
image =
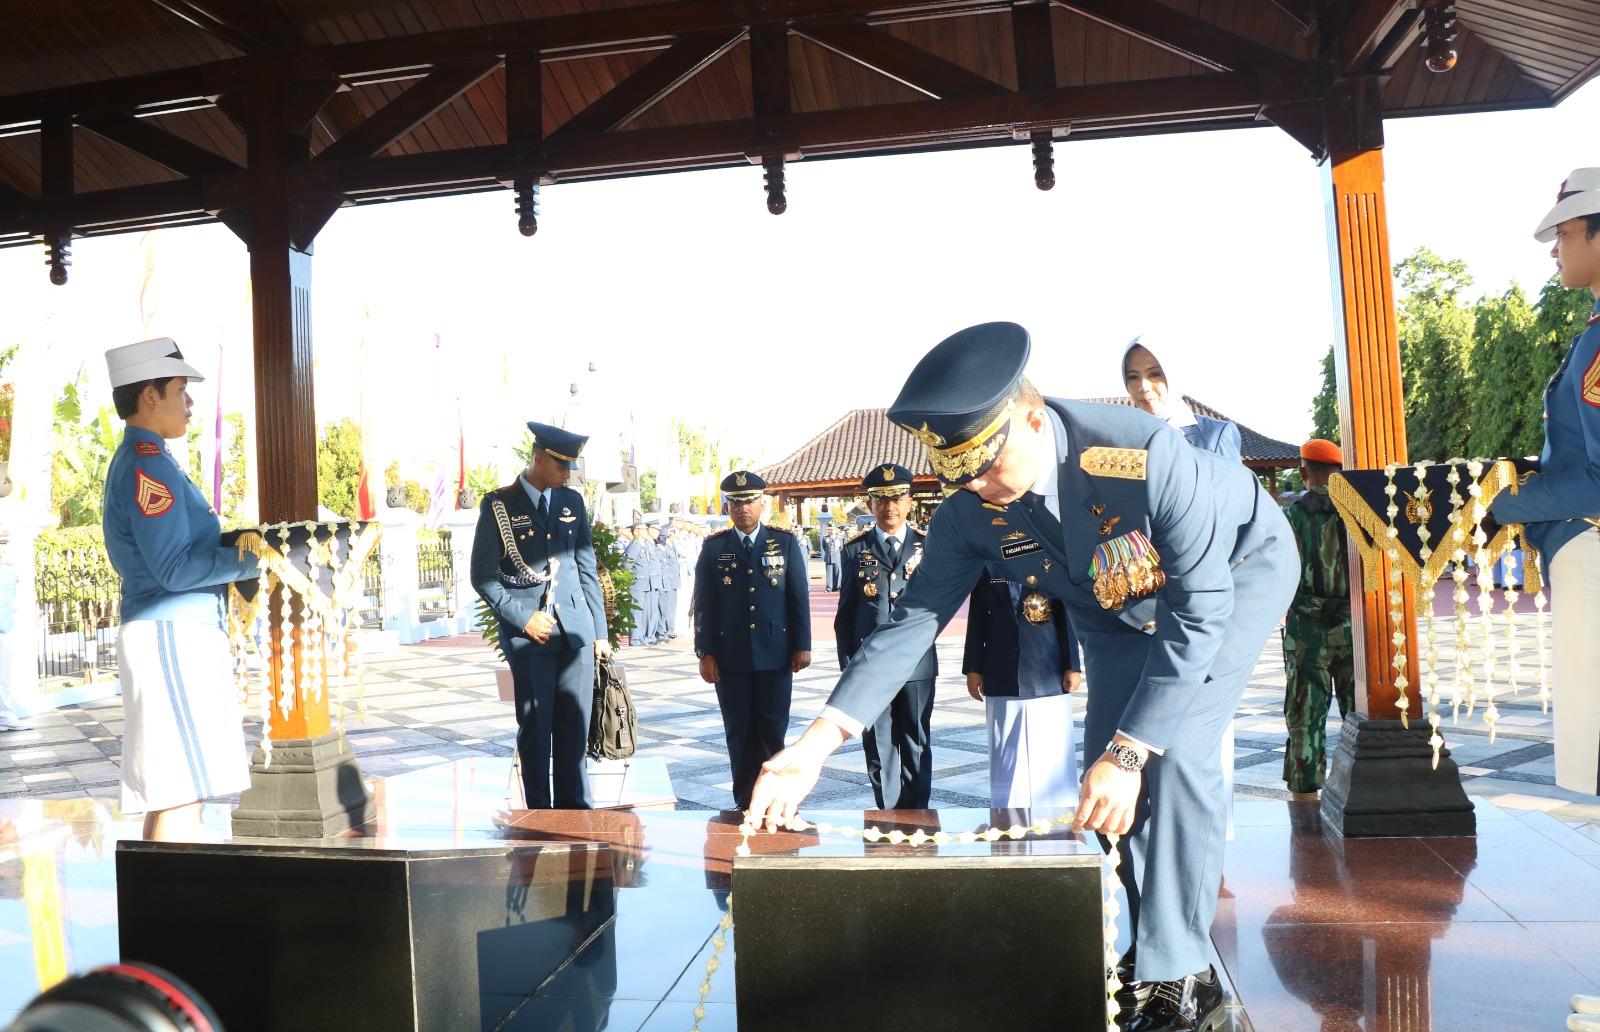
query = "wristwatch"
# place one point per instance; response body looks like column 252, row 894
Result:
column 1127, row 757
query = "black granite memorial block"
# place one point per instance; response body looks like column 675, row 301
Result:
column 346, row 935
column 921, row 943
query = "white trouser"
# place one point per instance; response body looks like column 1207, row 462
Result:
column 1575, row 654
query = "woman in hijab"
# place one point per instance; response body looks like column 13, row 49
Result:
column 1146, row 380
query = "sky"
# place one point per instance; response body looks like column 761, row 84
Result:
column 691, row 302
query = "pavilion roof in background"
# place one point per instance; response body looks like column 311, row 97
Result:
column 118, row 115
column 863, row 438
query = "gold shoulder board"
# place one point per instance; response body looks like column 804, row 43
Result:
column 1123, row 463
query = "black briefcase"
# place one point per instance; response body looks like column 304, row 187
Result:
column 613, row 726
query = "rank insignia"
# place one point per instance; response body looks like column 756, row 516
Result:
column 1097, row 510
column 728, row 581
column 146, row 448
column 998, row 521
column 151, row 495
column 1122, row 463
column 1591, row 382
column 1015, row 535
column 1108, row 524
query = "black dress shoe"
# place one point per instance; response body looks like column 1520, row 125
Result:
column 1132, row 996
column 1191, row 1004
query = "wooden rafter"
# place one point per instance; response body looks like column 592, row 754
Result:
column 1364, row 32
column 1178, row 33
column 1033, row 41
column 246, row 25
column 648, row 86
column 903, row 62
column 155, row 143
column 1215, row 97
column 404, row 113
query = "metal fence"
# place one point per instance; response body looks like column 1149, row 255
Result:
column 373, row 577
column 436, row 578
column 79, row 607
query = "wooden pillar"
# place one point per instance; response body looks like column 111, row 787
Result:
column 309, row 786
column 1382, row 781
column 1372, row 422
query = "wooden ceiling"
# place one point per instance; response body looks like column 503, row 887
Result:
column 123, row 114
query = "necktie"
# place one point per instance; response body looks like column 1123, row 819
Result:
column 540, row 509
column 744, row 547
column 1042, row 517
column 894, row 552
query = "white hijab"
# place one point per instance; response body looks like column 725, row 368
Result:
column 1178, row 413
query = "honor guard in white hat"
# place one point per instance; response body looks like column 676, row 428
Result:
column 181, row 741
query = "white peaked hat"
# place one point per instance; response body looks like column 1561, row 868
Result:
column 157, row 359
column 1579, row 195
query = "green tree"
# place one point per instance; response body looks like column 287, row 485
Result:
column 339, row 467
column 1505, row 391
column 82, row 451
column 647, row 490
column 1325, row 406
column 1436, row 329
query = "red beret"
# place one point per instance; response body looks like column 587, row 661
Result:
column 1319, row 450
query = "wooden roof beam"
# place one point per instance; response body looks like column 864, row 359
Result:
column 245, row 25
column 1178, row 33
column 1362, row 34
column 155, row 143
column 903, row 62
column 416, row 105
column 651, row 84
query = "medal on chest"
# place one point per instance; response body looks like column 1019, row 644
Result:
column 1036, row 607
column 1125, row 567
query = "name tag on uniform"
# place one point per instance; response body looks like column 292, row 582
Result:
column 521, row 521
column 868, row 559
column 726, row 557
column 1017, row 548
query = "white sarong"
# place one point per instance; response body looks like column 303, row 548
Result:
column 1031, row 757
column 1575, row 656
column 182, row 737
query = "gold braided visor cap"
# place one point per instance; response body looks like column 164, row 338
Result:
column 959, row 463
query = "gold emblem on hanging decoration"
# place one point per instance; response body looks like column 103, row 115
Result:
column 1122, row 463
column 1413, row 508
column 1036, row 607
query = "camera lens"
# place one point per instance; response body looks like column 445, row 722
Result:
column 119, row 998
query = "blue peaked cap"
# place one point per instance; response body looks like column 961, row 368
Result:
column 959, row 399
column 562, row 445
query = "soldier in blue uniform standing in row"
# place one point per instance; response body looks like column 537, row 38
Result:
column 1176, row 565
column 878, row 564
column 182, row 738
column 533, row 562
column 637, row 555
column 671, row 580
column 752, row 627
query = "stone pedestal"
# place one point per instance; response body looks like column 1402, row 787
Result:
column 400, row 574
column 309, row 790
column 362, row 933
column 463, row 526
column 920, row 942
column 1382, row 783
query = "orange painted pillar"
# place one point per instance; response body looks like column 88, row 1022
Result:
column 1372, row 422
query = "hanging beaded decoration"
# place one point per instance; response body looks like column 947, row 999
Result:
column 310, row 647
column 1396, row 602
column 1428, row 660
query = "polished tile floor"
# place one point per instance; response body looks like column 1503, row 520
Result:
column 1313, row 933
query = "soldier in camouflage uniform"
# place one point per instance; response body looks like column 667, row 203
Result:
column 1317, row 655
